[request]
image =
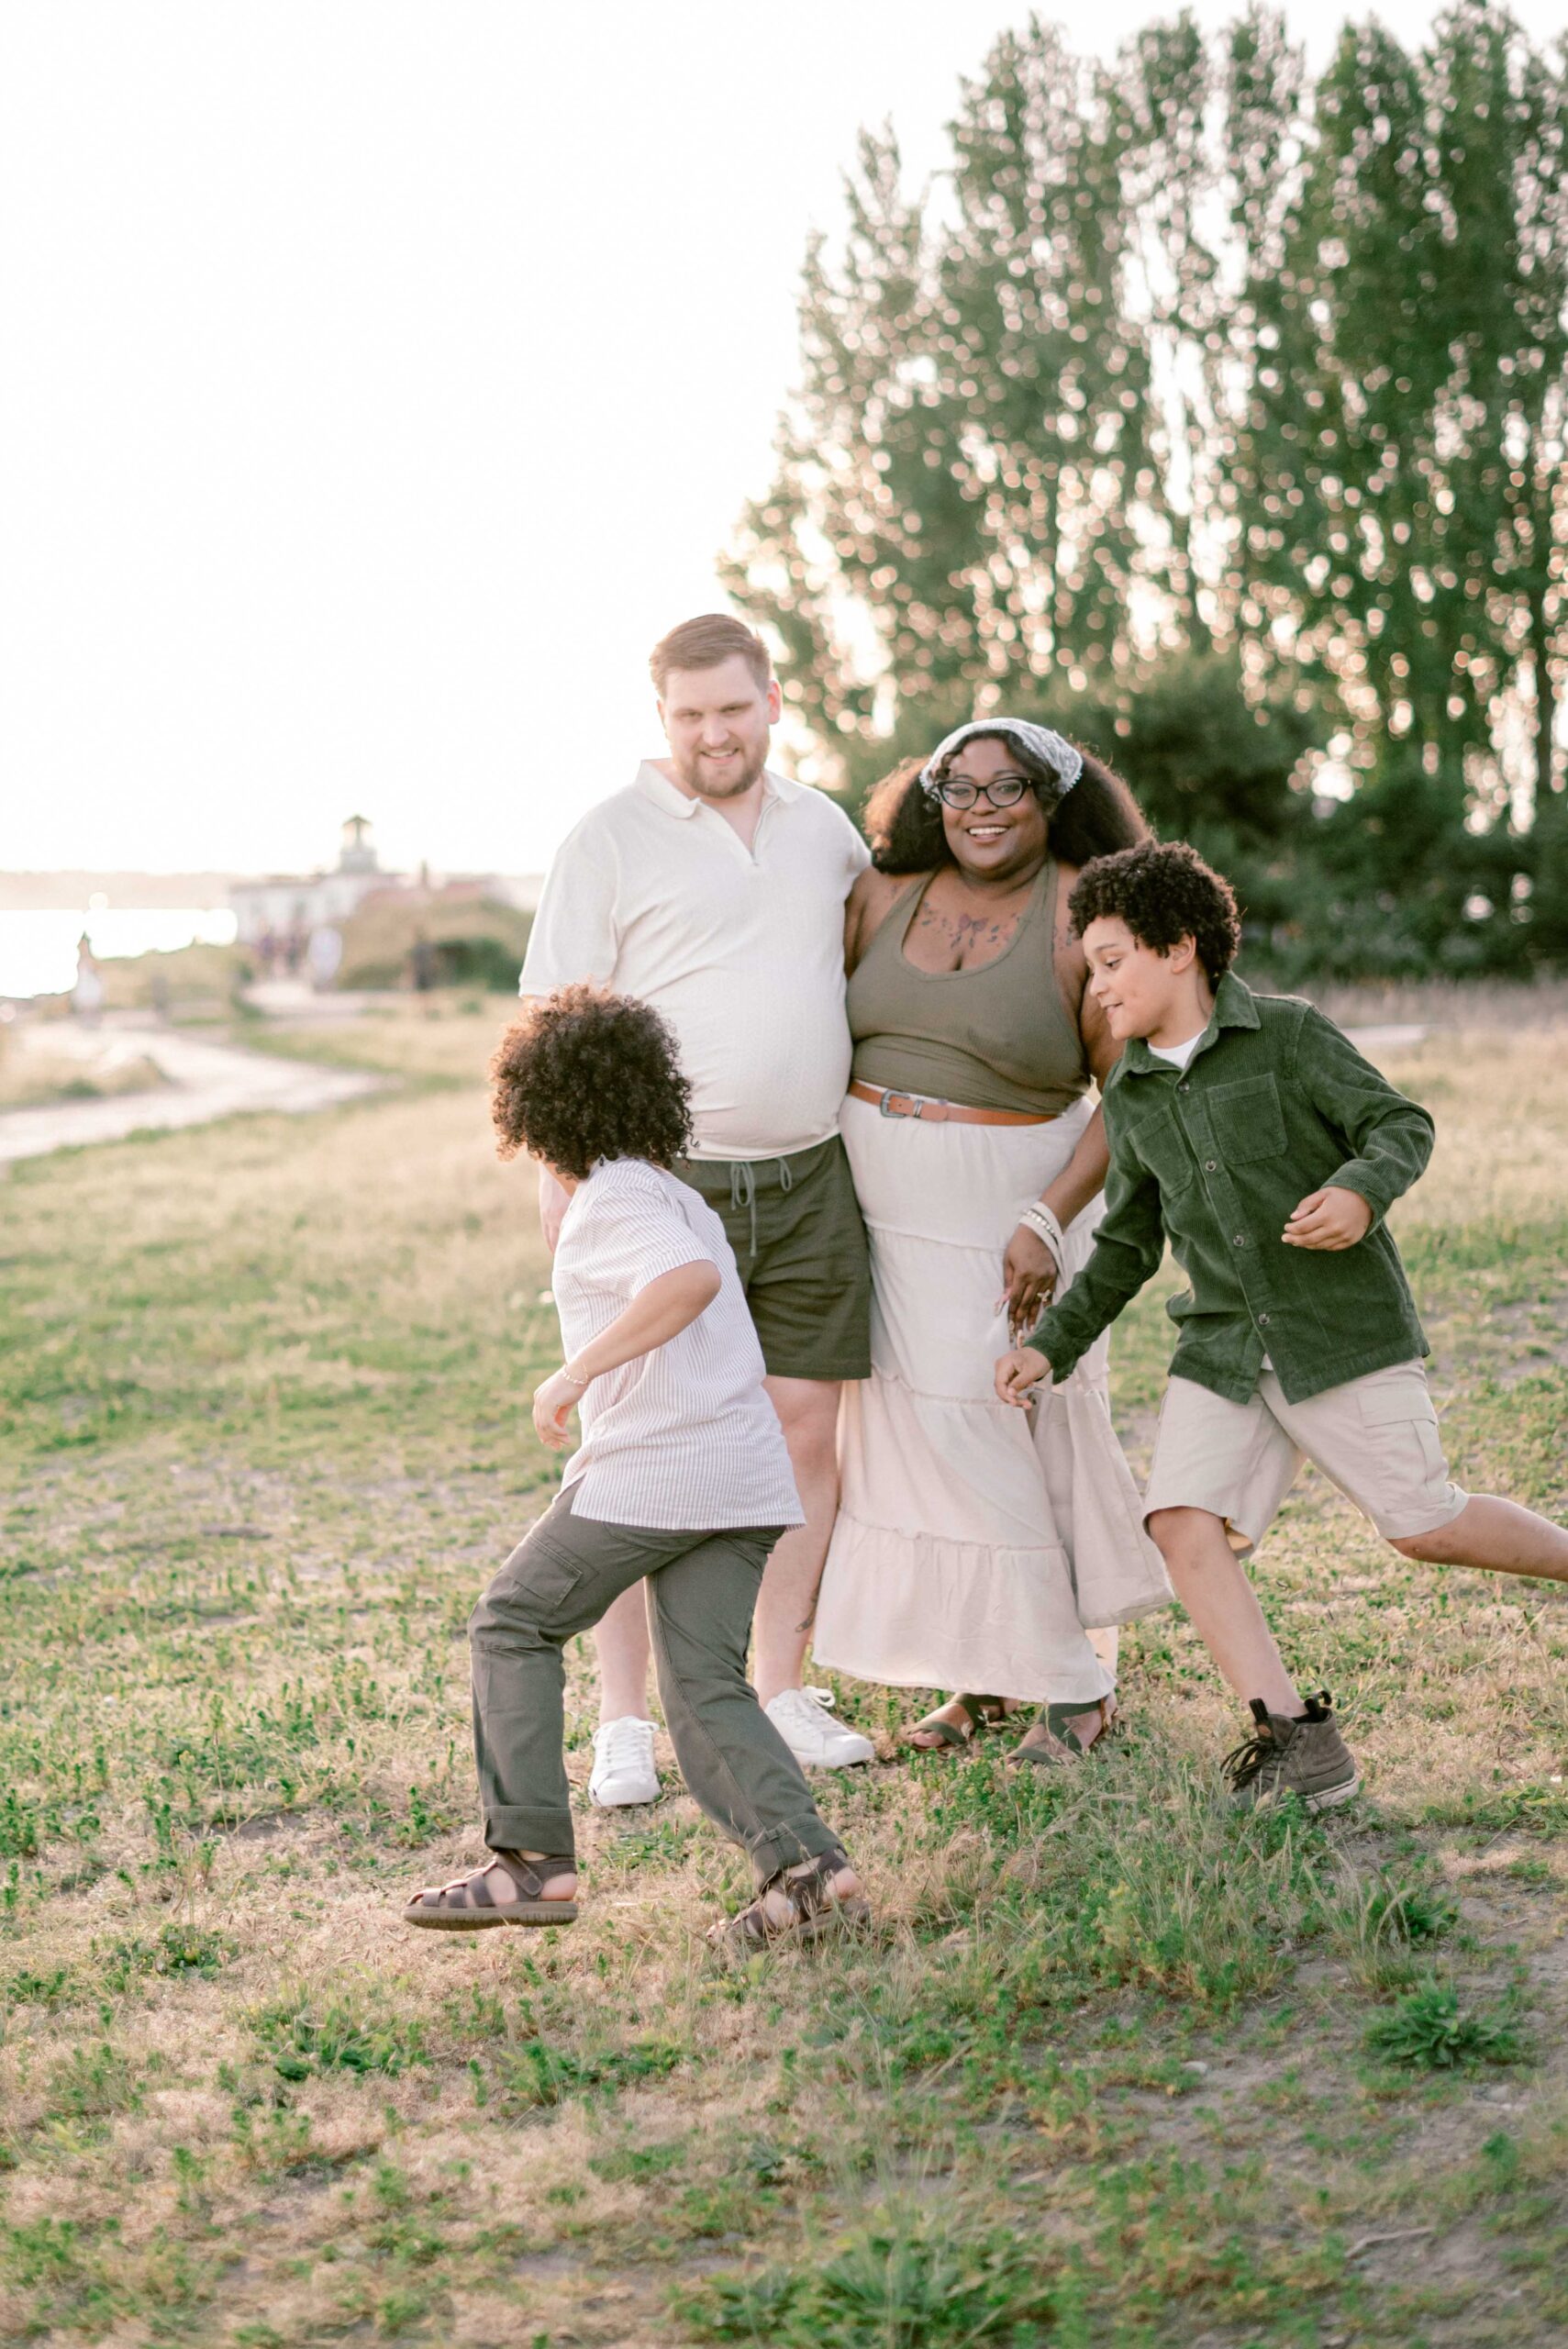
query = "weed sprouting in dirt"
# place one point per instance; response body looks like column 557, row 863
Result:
column 1429, row 2029
column 912, row 2282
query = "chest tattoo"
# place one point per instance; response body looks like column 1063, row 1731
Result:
column 968, row 937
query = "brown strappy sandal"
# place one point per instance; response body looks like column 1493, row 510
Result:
column 982, row 1713
column 468, row 1905
column 1050, row 1741
column 816, row 1910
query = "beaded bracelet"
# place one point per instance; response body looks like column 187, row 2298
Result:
column 580, row 1383
column 1045, row 1226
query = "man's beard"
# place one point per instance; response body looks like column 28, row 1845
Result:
column 690, row 772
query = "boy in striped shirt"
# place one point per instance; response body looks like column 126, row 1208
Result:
column 681, row 1476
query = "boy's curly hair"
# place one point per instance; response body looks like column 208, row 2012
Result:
column 584, row 1074
column 1164, row 892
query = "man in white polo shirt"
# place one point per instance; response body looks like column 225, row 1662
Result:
column 715, row 890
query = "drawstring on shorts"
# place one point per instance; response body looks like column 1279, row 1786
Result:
column 743, row 1189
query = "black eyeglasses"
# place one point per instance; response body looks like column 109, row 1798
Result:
column 1006, row 792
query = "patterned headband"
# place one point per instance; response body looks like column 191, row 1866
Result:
column 1064, row 763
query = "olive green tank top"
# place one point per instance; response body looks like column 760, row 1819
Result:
column 998, row 1036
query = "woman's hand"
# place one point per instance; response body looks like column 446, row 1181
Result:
column 1031, row 1273
column 1019, row 1373
column 554, row 1403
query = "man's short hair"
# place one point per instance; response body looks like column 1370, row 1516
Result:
column 704, row 643
column 1164, row 892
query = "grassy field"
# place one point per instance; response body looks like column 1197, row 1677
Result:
column 1116, row 2070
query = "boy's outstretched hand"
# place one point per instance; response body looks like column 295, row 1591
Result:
column 1019, row 1373
column 1328, row 1218
column 553, row 1405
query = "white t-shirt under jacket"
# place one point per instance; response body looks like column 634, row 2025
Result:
column 742, row 949
column 683, row 1437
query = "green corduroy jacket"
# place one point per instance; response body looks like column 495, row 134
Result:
column 1275, row 1103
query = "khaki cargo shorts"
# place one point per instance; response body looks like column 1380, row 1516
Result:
column 1376, row 1438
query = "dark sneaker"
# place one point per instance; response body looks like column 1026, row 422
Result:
column 1306, row 1758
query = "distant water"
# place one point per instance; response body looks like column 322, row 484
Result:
column 38, row 949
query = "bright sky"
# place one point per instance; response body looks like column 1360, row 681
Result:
column 382, row 380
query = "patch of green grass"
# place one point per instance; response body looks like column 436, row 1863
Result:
column 307, row 2035
column 1430, row 2030
column 58, row 1987
column 174, row 1950
column 910, row 2283
column 535, row 2073
column 92, row 2083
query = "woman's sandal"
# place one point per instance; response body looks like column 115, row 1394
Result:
column 814, row 1908
column 1050, row 1741
column 467, row 1903
column 982, row 1712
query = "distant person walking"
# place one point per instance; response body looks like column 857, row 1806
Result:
column 714, row 889
column 324, row 955
column 424, row 962
column 87, row 994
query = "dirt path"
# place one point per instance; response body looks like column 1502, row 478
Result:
column 206, row 1081
column 209, row 1080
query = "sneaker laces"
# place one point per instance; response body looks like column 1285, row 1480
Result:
column 1252, row 1758
column 618, row 1744
column 803, row 1701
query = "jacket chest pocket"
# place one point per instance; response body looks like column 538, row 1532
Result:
column 1248, row 1120
column 1163, row 1147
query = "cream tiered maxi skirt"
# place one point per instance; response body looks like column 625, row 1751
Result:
column 975, row 1543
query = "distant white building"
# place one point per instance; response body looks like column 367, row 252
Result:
column 289, row 903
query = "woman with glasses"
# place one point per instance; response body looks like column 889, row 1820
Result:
column 978, row 1549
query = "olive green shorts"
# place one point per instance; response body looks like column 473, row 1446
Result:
column 800, row 1245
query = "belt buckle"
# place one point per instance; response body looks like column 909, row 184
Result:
column 888, row 1110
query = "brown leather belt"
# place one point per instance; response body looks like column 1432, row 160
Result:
column 931, row 1112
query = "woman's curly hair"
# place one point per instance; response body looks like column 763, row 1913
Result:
column 1164, row 892
column 583, row 1075
column 1098, row 816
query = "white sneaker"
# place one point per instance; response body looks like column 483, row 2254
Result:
column 624, row 1769
column 803, row 1719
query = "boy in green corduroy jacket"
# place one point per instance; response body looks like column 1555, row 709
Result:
column 1248, row 1131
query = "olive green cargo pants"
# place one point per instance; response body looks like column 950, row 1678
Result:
column 702, row 1590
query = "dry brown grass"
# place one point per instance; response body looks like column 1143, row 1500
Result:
column 265, row 1386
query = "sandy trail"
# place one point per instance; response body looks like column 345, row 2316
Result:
column 206, row 1081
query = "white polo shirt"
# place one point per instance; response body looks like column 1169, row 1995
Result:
column 742, row 949
column 683, row 1437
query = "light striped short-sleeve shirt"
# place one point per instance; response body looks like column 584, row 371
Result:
column 683, row 1438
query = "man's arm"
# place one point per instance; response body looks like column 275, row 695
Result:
column 555, row 1198
column 575, row 932
column 576, row 936
column 1390, row 1135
